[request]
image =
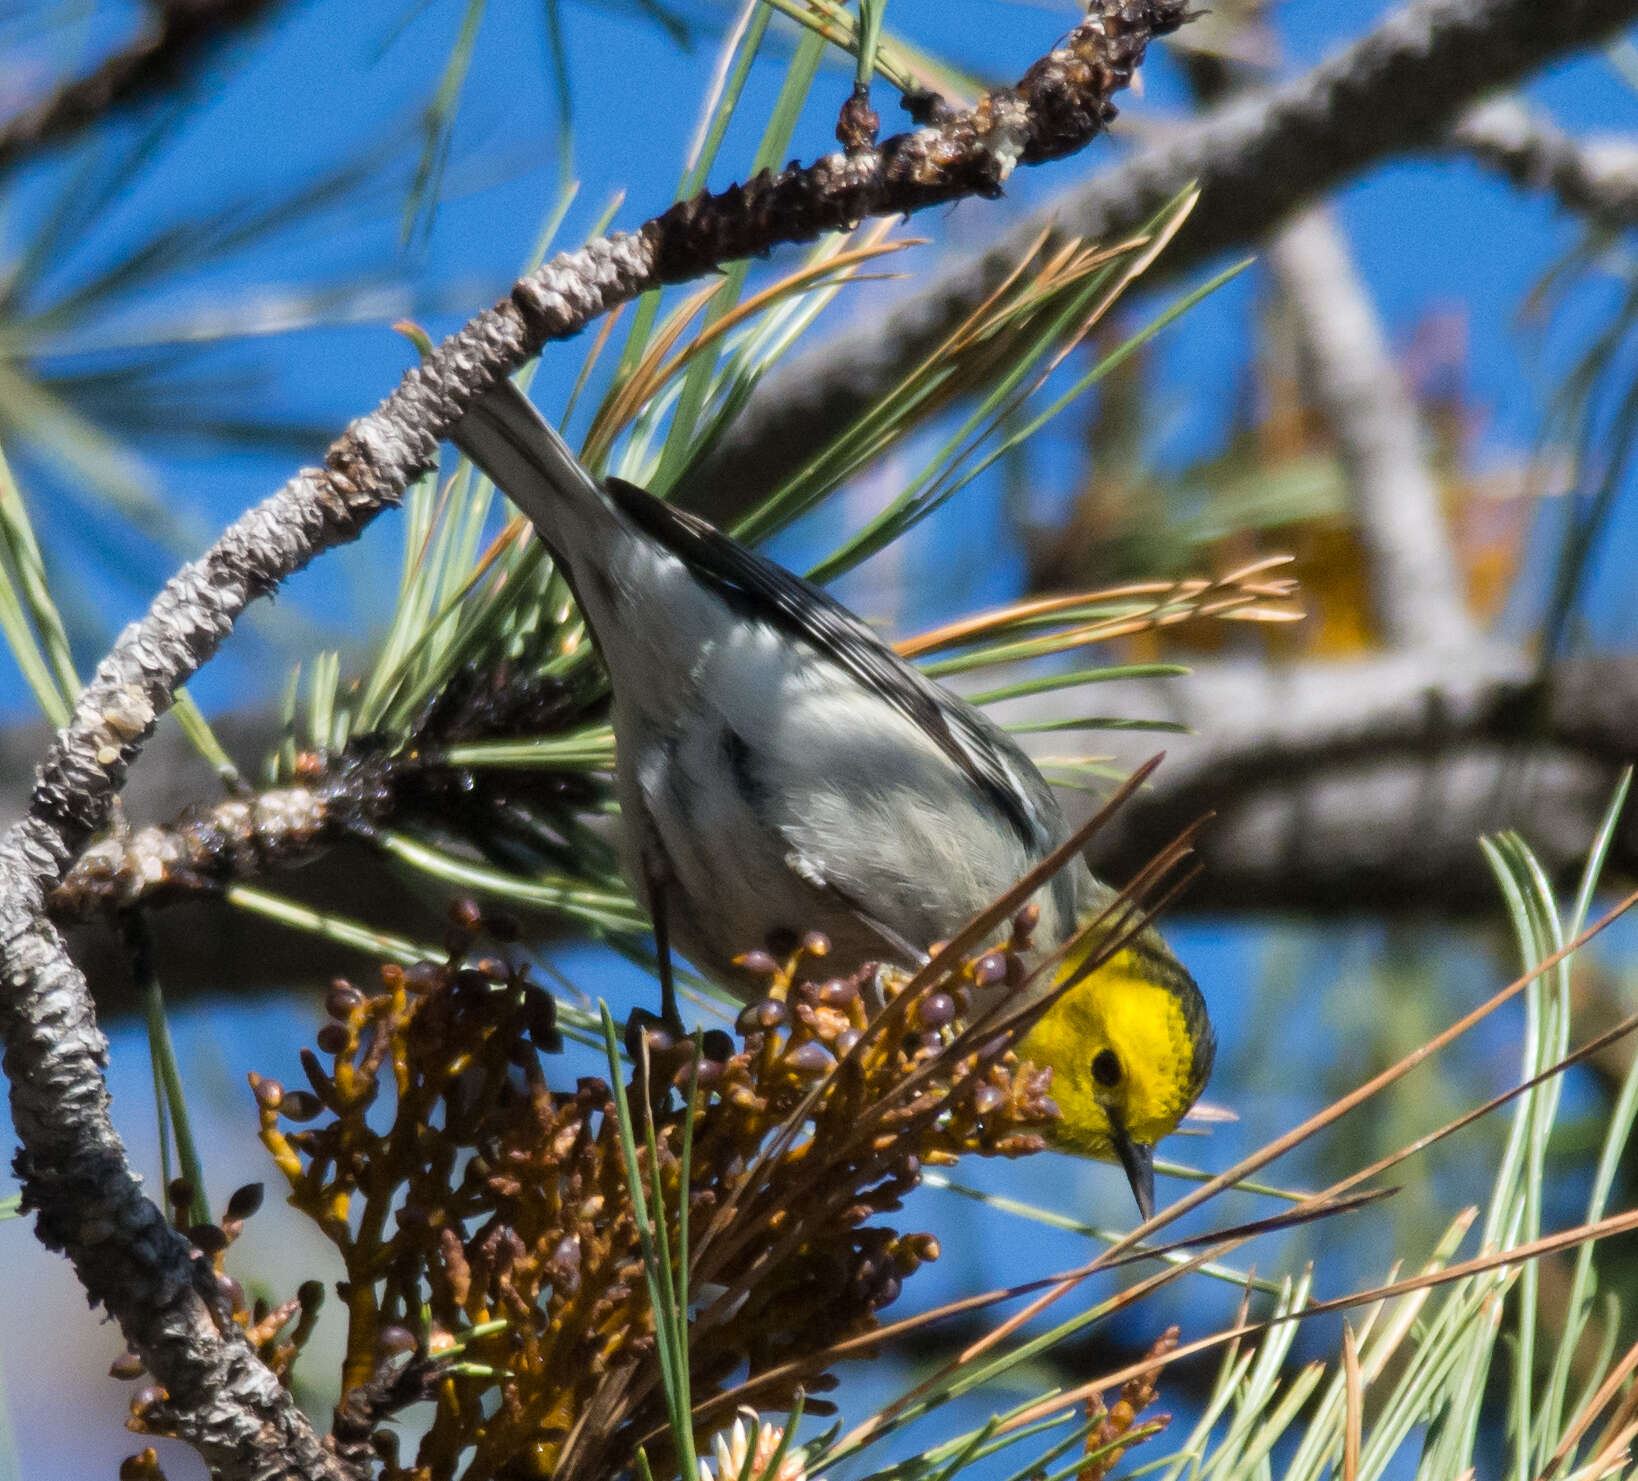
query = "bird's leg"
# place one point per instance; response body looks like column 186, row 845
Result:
column 669, row 1014
column 641, row 1022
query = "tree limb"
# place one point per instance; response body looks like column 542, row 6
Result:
column 1256, row 159
column 73, row 1167
column 1596, row 178
column 1363, row 785
column 1417, row 590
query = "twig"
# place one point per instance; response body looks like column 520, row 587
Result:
column 75, row 1174
column 210, row 846
column 1596, row 178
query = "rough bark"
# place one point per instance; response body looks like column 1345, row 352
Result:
column 1596, row 178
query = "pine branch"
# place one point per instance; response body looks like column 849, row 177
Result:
column 1596, row 178
column 1362, row 784
column 1356, row 785
column 239, row 838
column 1417, row 594
column 73, row 1167
column 1256, row 160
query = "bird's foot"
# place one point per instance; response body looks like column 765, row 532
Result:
column 660, row 1033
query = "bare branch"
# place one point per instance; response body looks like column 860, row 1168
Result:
column 239, row 838
column 1256, row 159
column 1416, row 587
column 1596, row 178
column 74, row 1170
column 1363, row 785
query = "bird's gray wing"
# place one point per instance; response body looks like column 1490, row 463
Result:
column 979, row 747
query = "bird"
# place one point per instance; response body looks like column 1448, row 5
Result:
column 780, row 770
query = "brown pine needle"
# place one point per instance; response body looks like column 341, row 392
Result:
column 1613, row 1458
column 842, row 265
column 1060, row 1286
column 605, row 330
column 655, row 369
column 1136, row 265
column 982, row 316
column 1467, row 1118
column 1617, row 1434
column 638, row 388
column 982, row 624
column 1567, row 1239
column 1161, row 601
column 872, row 1341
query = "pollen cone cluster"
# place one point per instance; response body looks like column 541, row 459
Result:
column 479, row 1196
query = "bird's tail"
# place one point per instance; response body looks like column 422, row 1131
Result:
column 528, row 461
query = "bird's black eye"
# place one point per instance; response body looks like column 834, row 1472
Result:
column 1106, row 1068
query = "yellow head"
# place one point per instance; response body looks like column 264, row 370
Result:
column 1130, row 1047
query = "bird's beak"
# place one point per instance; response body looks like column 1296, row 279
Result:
column 1139, row 1162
